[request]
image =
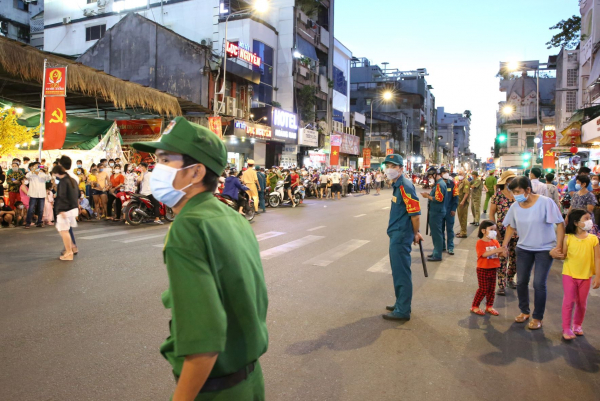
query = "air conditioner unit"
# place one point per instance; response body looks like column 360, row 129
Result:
column 206, row 42
column 230, row 105
column 101, row 3
column 240, row 113
column 88, row 12
column 67, row 20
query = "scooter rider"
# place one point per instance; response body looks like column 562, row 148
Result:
column 232, row 188
column 287, row 185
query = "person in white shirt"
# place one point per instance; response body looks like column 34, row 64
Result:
column 323, row 183
column 537, row 187
column 145, row 190
column 378, row 179
column 37, row 193
column 368, row 180
column 335, row 185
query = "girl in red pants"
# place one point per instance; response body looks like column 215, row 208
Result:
column 582, row 259
column 488, row 262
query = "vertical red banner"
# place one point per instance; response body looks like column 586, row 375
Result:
column 214, row 124
column 55, row 119
column 334, row 157
column 549, row 157
column 367, row 157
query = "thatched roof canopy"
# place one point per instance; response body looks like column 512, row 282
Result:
column 21, row 63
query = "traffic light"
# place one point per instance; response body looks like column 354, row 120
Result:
column 526, row 159
column 502, row 137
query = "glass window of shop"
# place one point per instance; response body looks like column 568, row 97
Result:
column 263, row 92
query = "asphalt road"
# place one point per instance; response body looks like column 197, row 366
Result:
column 90, row 329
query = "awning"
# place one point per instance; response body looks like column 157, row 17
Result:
column 595, row 72
column 305, row 48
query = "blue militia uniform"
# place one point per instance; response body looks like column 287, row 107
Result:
column 451, row 201
column 405, row 204
column 437, row 215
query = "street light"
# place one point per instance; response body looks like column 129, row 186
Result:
column 259, row 6
column 385, row 96
column 507, row 110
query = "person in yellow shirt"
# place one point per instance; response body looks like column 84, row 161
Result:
column 250, row 179
column 582, row 259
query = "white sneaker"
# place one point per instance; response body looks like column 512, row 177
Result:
column 158, row 222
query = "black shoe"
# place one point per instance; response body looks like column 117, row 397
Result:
column 501, row 291
column 431, row 259
column 390, row 316
column 390, row 307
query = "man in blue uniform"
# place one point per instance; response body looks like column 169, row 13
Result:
column 451, row 203
column 403, row 229
column 437, row 211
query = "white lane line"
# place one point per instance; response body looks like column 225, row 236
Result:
column 383, row 266
column 360, row 215
column 93, row 230
column 122, row 232
column 270, row 234
column 288, row 247
column 595, row 293
column 385, row 208
column 159, row 246
column 453, row 267
column 336, row 253
column 316, row 228
column 135, row 239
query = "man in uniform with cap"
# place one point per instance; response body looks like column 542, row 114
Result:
column 476, row 188
column 217, row 293
column 451, row 203
column 403, row 230
column 250, row 179
column 437, row 212
column 464, row 191
column 262, row 184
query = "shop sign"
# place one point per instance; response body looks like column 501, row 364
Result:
column 284, row 124
column 243, row 128
column 139, row 130
column 336, row 140
column 350, row 144
column 235, row 50
column 308, row 137
column 594, row 154
column 318, row 157
column 591, row 131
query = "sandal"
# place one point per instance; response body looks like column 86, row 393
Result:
column 477, row 311
column 568, row 335
column 522, row 318
column 66, row 256
column 492, row 311
column 578, row 330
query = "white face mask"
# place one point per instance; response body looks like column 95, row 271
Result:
column 117, row 171
column 461, row 177
column 431, row 181
column 26, row 182
column 161, row 184
column 445, row 176
column 595, row 182
column 392, row 173
column 1, row 204
column 492, row 234
column 587, row 225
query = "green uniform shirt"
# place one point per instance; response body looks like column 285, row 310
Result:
column 476, row 186
column 463, row 189
column 217, row 292
column 490, row 183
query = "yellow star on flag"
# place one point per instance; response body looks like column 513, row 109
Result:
column 335, row 152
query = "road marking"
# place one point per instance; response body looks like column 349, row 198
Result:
column 453, row 268
column 122, row 232
column 316, row 228
column 360, row 215
column 93, row 230
column 383, row 266
column 270, row 234
column 385, row 208
column 159, row 246
column 288, row 247
column 336, row 253
column 127, row 241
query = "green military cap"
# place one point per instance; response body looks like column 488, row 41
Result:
column 187, row 138
column 394, row 159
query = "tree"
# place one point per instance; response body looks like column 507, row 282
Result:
column 306, row 101
column 12, row 133
column 468, row 114
column 569, row 35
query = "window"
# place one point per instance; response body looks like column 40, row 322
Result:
column 530, row 139
column 95, row 32
column 93, row 1
column 368, row 101
column 21, row 5
column 572, row 57
column 263, row 92
column 572, row 77
column 352, row 101
column 571, row 101
column 514, row 139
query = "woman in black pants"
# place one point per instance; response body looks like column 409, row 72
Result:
column 117, row 181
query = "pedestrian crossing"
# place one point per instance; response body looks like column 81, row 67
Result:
column 336, row 253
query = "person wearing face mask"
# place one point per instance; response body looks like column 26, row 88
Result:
column 37, row 178
column 7, row 215
column 217, row 293
column 146, row 190
column 552, row 190
column 476, row 187
column 102, row 187
column 403, row 230
column 488, row 261
column 490, row 189
column 583, row 198
column 14, row 178
column 130, row 181
column 451, row 204
column 464, row 191
column 437, row 211
column 534, row 217
column 117, row 181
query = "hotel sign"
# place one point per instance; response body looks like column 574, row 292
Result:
column 284, row 124
column 235, row 50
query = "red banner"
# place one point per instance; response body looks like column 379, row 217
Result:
column 139, row 130
column 55, row 127
column 55, row 83
column 367, row 157
column 389, row 151
column 214, row 124
column 549, row 156
column 334, row 157
column 549, row 137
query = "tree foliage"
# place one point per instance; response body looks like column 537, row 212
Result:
column 11, row 132
column 309, row 7
column 569, row 34
column 468, row 114
column 306, row 103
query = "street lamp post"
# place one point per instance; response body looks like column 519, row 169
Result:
column 387, row 95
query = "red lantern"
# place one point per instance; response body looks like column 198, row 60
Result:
column 573, row 149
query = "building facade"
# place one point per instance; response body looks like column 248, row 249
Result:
column 17, row 17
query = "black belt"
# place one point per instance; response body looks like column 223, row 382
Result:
column 225, row 382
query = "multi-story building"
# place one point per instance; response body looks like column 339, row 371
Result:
column 16, row 18
column 567, row 86
column 289, row 47
column 455, row 132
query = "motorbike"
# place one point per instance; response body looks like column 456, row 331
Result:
column 310, row 189
column 138, row 208
column 243, row 196
column 280, row 196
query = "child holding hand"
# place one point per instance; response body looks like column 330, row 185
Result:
column 488, row 262
column 582, row 259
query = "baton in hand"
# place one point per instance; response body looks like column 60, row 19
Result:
column 423, row 259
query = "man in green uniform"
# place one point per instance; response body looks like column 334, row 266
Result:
column 403, row 230
column 490, row 186
column 437, row 211
column 217, row 293
column 476, row 188
column 464, row 191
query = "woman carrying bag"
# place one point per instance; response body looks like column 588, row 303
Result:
column 67, row 209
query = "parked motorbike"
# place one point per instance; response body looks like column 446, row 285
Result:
column 280, row 196
column 243, row 196
column 139, row 209
column 310, row 189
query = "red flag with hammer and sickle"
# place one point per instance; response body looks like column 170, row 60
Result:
column 55, row 127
